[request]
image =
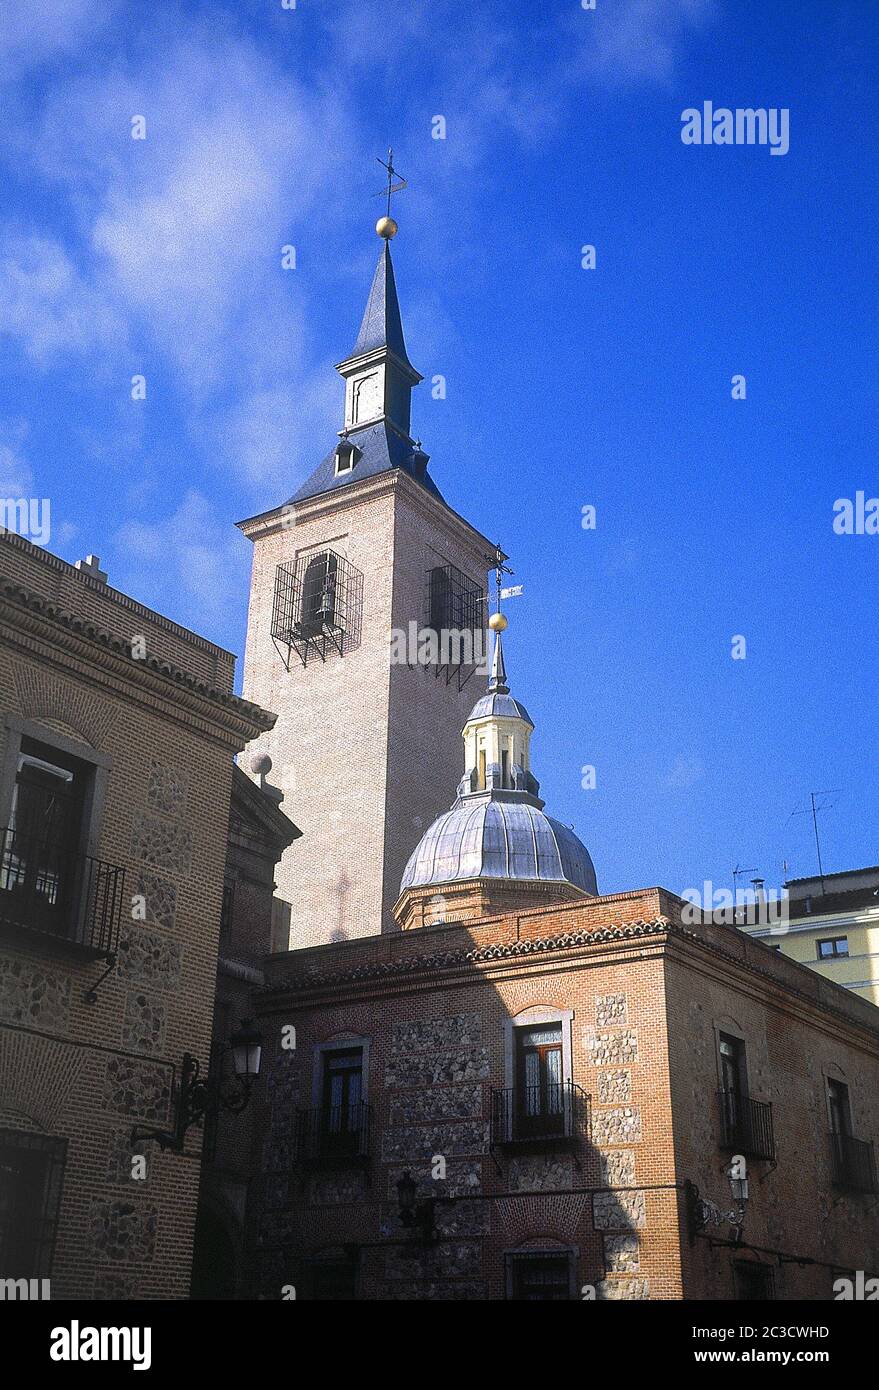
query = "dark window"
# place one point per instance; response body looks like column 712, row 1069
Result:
column 754, row 1282
column 839, row 1107
column 540, row 1103
column 31, row 1171
column 439, row 598
column 39, row 864
column 833, row 946
column 342, row 1099
column 505, row 768
column 228, row 908
column 317, row 613
column 317, row 606
column 539, row 1278
column 733, row 1083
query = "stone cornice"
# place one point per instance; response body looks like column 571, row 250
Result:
column 87, row 645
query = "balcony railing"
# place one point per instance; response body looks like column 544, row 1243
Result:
column 853, row 1163
column 538, row 1114
column 746, row 1125
column 334, row 1135
column 73, row 897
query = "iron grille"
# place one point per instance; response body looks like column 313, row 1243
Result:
column 538, row 1115
column 317, row 606
column 455, row 612
column 59, row 893
column 853, row 1163
column 333, row 1134
column 747, row 1125
column 31, row 1176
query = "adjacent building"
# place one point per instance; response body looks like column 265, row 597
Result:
column 118, row 729
column 832, row 925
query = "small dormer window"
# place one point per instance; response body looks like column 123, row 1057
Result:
column 346, row 456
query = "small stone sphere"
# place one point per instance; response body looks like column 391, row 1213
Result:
column 498, row 623
column 386, row 227
column 261, row 764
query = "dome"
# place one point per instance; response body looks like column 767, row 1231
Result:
column 497, row 839
column 499, row 706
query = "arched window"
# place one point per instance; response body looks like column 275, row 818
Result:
column 318, row 611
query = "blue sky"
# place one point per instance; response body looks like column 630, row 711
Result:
column 565, row 387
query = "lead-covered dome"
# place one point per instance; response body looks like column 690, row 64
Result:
column 497, row 829
column 500, row 840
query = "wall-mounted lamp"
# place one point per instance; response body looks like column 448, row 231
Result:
column 197, row 1098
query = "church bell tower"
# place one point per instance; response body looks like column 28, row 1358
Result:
column 366, row 627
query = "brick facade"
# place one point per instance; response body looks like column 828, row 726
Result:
column 643, row 999
column 160, row 732
column 382, row 740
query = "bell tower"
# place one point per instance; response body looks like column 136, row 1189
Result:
column 349, row 576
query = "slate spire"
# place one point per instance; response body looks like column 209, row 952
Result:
column 382, row 325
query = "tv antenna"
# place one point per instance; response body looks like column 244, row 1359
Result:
column 813, row 810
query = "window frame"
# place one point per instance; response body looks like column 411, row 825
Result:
column 521, row 1256
column 55, row 1148
column 833, row 954
column 92, row 815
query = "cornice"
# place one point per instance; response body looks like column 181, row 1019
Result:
column 92, row 645
column 440, row 962
column 131, row 605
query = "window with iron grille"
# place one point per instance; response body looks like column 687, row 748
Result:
column 31, row 1174
column 538, row 1276
column 455, row 611
column 317, row 607
column 48, row 882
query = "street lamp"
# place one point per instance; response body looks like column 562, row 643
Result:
column 198, row 1097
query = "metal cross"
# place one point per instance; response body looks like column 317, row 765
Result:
column 392, row 175
column 500, row 569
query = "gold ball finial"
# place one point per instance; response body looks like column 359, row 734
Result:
column 386, row 227
column 498, row 623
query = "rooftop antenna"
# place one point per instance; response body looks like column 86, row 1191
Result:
column 815, row 808
column 737, row 873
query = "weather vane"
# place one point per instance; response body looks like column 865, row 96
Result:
column 386, row 226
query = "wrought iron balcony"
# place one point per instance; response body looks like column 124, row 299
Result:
column 853, row 1163
column 746, row 1125
column 538, row 1115
column 72, row 897
column 335, row 1135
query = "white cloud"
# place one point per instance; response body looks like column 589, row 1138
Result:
column 50, row 306
column 16, row 474
column 635, row 41
column 34, row 31
column 189, row 554
column 685, row 772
